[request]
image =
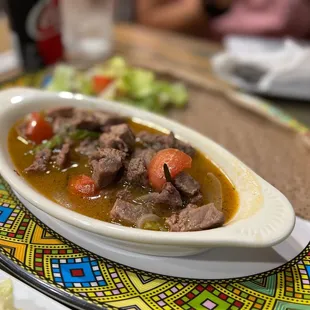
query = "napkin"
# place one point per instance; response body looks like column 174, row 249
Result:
column 266, row 66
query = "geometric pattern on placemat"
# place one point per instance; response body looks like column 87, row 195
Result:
column 207, row 297
column 304, row 272
column 265, row 285
column 281, row 305
column 63, row 265
column 9, row 215
column 41, row 236
column 77, row 272
column 145, row 279
column 144, row 283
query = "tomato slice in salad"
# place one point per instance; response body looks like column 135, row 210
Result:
column 100, row 82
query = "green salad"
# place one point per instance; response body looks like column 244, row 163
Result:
column 117, row 80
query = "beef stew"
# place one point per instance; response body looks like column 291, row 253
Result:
column 119, row 170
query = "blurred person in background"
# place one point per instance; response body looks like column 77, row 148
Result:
column 215, row 19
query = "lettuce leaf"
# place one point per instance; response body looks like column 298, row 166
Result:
column 62, row 78
column 135, row 86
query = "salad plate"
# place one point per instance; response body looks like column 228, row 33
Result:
column 118, row 80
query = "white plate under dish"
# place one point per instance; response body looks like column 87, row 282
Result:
column 26, row 298
column 217, row 263
column 264, row 218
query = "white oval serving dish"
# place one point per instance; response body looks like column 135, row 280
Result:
column 264, row 218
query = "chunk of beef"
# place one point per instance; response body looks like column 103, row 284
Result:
column 84, row 119
column 165, row 141
column 106, row 120
column 136, row 172
column 106, row 168
column 60, row 112
column 88, row 147
column 196, row 200
column 40, row 162
column 124, row 132
column 186, row 184
column 168, row 196
column 124, row 194
column 64, row 118
column 77, row 119
column 156, row 141
column 194, row 218
column 146, row 138
column 145, row 154
column 101, row 152
column 159, row 142
column 128, row 212
column 95, row 121
column 61, row 124
column 189, row 188
column 184, row 147
column 119, row 137
column 110, row 140
column 63, row 156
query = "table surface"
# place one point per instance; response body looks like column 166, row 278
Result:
column 174, row 51
column 190, row 55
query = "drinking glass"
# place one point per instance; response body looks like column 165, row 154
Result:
column 87, row 29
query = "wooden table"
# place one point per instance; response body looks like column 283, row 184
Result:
column 184, row 56
column 190, row 55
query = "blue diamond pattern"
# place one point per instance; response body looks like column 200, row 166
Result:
column 88, row 275
column 5, row 213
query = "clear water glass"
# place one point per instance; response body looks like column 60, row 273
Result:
column 87, row 29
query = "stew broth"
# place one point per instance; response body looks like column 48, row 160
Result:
column 53, row 183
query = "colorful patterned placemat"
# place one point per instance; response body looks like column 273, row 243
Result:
column 59, row 268
column 65, row 271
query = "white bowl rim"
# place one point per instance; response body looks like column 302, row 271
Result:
column 246, row 232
